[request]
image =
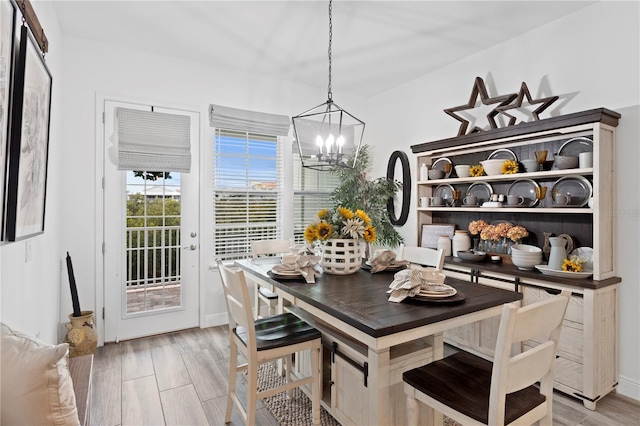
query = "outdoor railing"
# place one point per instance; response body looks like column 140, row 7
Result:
column 153, row 256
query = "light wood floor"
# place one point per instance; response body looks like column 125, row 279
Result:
column 181, row 379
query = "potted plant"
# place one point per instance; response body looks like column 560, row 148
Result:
column 356, row 191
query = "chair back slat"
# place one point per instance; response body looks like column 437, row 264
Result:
column 509, row 373
column 422, row 256
column 539, row 319
column 275, row 246
column 237, row 298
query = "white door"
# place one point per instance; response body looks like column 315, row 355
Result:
column 151, row 240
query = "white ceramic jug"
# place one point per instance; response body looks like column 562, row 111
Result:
column 558, row 252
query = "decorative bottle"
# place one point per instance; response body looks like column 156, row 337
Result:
column 444, row 243
column 424, row 172
column 461, row 242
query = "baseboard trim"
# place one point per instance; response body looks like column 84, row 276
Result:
column 215, row 320
column 629, row 387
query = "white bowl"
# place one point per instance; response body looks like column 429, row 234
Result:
column 529, row 263
column 462, row 170
column 565, row 162
column 525, row 255
column 525, row 248
column 493, row 167
column 526, row 265
column 531, row 165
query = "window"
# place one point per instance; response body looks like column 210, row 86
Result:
column 311, row 193
column 247, row 191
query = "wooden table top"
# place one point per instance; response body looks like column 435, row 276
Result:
column 360, row 299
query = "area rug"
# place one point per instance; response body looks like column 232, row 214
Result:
column 288, row 411
column 296, row 410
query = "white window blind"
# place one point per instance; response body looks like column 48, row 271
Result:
column 311, row 193
column 248, row 191
column 227, row 118
column 153, row 141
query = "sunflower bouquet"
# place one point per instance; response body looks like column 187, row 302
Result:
column 340, row 223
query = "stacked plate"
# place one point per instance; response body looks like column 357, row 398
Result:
column 526, row 257
column 437, row 291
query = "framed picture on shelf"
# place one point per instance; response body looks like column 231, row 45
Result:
column 29, row 144
column 7, row 37
column 431, row 232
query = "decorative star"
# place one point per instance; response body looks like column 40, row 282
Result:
column 479, row 89
column 524, row 91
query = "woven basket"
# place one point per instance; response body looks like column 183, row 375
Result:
column 341, row 257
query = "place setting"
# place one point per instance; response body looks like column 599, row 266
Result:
column 423, row 285
column 294, row 267
column 384, row 260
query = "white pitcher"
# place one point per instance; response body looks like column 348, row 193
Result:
column 558, row 252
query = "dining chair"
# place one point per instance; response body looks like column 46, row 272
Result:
column 261, row 248
column 474, row 391
column 422, row 256
column 264, row 340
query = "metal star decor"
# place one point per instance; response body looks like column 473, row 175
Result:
column 479, row 89
column 517, row 106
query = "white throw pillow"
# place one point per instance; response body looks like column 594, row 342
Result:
column 36, row 387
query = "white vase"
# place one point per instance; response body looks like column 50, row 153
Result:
column 341, row 257
column 460, row 242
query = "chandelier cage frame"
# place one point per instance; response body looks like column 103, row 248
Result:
column 327, row 135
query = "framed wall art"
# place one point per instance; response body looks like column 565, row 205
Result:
column 29, row 144
column 7, row 31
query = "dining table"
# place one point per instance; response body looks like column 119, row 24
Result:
column 358, row 305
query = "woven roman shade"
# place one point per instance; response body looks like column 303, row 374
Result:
column 153, row 141
column 262, row 123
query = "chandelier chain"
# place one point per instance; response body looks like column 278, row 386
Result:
column 329, row 50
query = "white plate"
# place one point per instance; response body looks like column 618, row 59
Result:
column 526, row 188
column 575, row 146
column 286, row 273
column 492, row 204
column 439, row 164
column 585, row 252
column 577, row 186
column 482, row 190
column 563, row 274
column 503, row 153
column 437, row 295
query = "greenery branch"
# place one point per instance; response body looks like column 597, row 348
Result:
column 356, row 191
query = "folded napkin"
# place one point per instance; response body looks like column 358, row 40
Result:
column 386, row 259
column 285, row 267
column 304, row 265
column 406, row 283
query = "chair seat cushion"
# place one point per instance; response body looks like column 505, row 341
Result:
column 267, row 293
column 278, row 331
column 462, row 381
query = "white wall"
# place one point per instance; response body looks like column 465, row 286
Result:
column 30, row 291
column 92, row 69
column 591, row 60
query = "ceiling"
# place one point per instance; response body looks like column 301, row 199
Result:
column 377, row 45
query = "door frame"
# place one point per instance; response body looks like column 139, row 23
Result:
column 99, row 277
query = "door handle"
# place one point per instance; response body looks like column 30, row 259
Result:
column 191, row 247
